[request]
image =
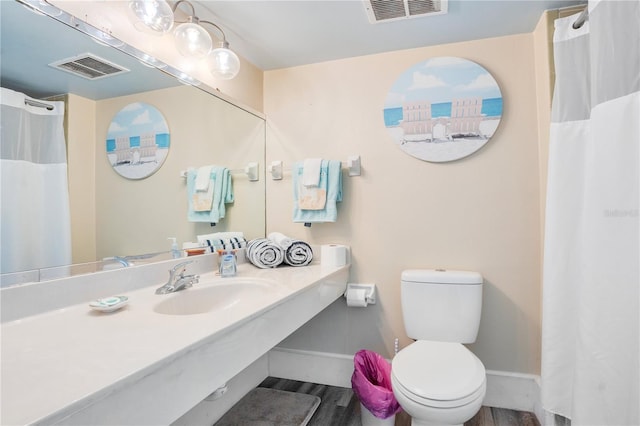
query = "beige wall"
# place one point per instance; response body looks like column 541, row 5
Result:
column 543, row 49
column 81, row 124
column 480, row 213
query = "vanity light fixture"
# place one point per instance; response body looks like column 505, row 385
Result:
column 156, row 15
column 191, row 38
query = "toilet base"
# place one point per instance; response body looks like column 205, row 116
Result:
column 427, row 416
column 416, row 422
column 423, row 423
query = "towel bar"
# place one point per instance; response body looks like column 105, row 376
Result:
column 353, row 166
column 251, row 170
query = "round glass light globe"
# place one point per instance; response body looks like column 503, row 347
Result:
column 153, row 14
column 224, row 63
column 192, row 40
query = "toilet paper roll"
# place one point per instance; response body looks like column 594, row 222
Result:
column 333, row 255
column 357, row 298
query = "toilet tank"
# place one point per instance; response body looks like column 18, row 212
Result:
column 441, row 305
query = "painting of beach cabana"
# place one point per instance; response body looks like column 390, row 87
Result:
column 137, row 141
column 443, row 109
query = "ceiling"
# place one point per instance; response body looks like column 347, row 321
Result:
column 271, row 34
column 276, row 34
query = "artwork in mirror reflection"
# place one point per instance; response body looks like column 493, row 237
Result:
column 443, row 109
column 137, row 141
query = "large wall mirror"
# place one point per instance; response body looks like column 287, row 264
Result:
column 111, row 215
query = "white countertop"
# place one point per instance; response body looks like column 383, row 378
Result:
column 59, row 361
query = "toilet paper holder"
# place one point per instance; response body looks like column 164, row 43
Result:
column 370, row 291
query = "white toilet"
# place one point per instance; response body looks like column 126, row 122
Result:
column 436, row 379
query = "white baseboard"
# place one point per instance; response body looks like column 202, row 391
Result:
column 309, row 366
column 514, row 391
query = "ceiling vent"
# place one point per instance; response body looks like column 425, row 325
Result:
column 393, row 10
column 89, row 66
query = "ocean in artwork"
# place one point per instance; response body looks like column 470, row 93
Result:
column 162, row 141
column 491, row 107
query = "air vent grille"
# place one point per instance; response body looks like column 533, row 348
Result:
column 387, row 9
column 89, row 66
column 391, row 10
column 417, row 7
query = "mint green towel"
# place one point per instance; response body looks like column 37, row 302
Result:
column 331, row 181
column 222, row 194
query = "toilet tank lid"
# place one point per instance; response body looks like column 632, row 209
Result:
column 441, row 276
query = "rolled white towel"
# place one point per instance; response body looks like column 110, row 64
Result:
column 264, row 253
column 280, row 239
column 299, row 253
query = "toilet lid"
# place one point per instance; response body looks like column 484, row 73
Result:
column 439, row 371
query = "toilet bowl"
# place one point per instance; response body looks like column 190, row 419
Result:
column 438, row 383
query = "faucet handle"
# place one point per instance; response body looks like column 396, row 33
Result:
column 180, row 267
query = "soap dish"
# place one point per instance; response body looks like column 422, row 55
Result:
column 109, row 304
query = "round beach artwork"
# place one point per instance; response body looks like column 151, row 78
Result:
column 137, row 141
column 443, row 109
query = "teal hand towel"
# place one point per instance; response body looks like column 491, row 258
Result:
column 222, row 194
column 330, row 183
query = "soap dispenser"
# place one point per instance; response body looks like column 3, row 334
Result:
column 228, row 266
column 175, row 251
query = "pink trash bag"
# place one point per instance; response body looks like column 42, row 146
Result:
column 371, row 382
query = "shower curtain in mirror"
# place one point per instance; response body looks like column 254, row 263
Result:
column 590, row 327
column 35, row 218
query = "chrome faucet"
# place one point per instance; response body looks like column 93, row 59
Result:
column 123, row 260
column 178, row 280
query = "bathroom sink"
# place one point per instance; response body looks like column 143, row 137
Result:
column 224, row 294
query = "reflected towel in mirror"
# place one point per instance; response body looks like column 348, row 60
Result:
column 222, row 241
column 222, row 194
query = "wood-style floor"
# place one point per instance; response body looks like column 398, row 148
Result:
column 340, row 407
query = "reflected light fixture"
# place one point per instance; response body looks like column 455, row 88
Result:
column 154, row 14
column 191, row 38
column 42, row 8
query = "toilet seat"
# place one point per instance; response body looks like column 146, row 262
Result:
column 438, row 374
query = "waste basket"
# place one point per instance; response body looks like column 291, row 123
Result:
column 371, row 382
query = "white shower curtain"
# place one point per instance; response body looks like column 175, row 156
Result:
column 35, row 218
column 590, row 328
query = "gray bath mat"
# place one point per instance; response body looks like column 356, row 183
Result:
column 271, row 407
